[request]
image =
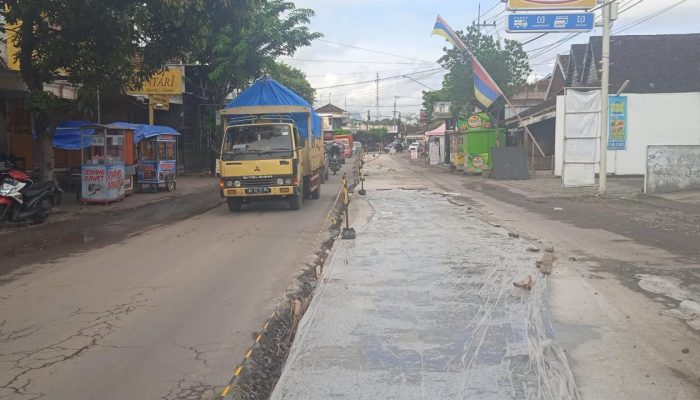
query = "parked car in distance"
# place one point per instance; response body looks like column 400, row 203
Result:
column 413, row 146
column 393, row 145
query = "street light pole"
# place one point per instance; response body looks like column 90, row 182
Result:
column 604, row 88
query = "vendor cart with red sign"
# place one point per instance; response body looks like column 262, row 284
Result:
column 157, row 157
column 105, row 149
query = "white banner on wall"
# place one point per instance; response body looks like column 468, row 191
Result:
column 581, row 137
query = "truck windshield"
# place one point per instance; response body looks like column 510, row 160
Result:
column 257, row 141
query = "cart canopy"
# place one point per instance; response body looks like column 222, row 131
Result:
column 143, row 131
column 268, row 92
column 67, row 135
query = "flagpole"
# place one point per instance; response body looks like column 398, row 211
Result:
column 451, row 36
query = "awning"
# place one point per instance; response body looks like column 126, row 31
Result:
column 439, row 131
column 141, row 131
column 67, row 135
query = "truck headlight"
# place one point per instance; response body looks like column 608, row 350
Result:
column 280, row 181
column 229, row 183
column 237, row 184
column 288, row 181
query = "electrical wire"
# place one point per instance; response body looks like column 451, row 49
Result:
column 375, row 80
column 649, row 17
column 374, row 51
column 354, row 62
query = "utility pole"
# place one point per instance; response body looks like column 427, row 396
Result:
column 604, row 87
column 480, row 25
column 395, row 97
column 377, row 82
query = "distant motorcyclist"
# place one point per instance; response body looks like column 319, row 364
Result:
column 335, row 150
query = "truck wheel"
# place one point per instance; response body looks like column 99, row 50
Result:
column 316, row 194
column 234, row 204
column 306, row 187
column 295, row 201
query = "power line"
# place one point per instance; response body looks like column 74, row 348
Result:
column 366, row 72
column 490, row 9
column 374, row 51
column 353, row 62
column 373, row 80
column 651, row 16
column 369, row 90
column 558, row 43
column 551, row 46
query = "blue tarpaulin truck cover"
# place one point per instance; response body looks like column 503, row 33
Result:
column 268, row 92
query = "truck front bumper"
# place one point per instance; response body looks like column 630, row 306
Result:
column 276, row 191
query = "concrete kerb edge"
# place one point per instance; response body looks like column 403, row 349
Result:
column 258, row 372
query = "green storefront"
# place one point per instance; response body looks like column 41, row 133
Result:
column 477, row 139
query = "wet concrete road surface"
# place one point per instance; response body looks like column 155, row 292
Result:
column 149, row 312
column 422, row 306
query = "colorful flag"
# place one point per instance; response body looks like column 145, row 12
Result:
column 485, row 88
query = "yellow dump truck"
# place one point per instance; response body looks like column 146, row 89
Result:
column 272, row 147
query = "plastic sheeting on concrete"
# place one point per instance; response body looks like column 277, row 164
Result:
column 422, row 306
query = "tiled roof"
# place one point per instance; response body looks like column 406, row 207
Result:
column 330, row 109
column 652, row 63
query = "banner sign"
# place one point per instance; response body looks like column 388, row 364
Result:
column 551, row 4
column 102, row 182
column 166, row 82
column 160, row 101
column 568, row 22
column 617, row 123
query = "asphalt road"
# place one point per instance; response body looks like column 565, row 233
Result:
column 143, row 310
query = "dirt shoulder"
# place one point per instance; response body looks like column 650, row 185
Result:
column 652, row 221
column 72, row 232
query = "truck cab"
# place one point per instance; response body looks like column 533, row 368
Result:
column 270, row 150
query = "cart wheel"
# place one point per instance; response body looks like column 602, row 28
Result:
column 169, row 184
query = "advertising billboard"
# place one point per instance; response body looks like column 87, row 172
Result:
column 551, row 4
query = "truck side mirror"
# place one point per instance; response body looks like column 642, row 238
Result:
column 299, row 140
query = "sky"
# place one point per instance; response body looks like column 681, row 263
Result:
column 398, row 33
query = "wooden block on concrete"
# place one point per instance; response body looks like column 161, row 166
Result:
column 547, row 263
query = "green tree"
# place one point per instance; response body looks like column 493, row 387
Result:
column 96, row 44
column 506, row 62
column 294, row 79
column 245, row 38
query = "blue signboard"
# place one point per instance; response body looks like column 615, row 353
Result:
column 567, row 22
column 617, row 123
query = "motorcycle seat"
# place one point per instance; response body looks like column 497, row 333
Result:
column 37, row 189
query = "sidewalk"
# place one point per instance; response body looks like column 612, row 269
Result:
column 422, row 306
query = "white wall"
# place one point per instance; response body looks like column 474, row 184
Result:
column 652, row 119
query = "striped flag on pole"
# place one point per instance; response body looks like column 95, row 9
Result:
column 485, row 88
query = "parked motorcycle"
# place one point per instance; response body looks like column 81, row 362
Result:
column 21, row 199
column 335, row 163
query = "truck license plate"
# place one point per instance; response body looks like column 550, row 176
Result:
column 255, row 190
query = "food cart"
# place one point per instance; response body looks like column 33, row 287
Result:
column 157, row 157
column 478, row 140
column 105, row 148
